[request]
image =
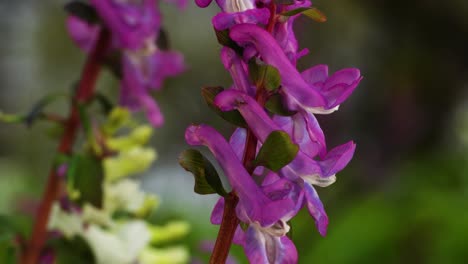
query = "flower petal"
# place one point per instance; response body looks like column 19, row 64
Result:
column 131, row 23
column 252, row 201
column 316, row 209
column 233, row 63
column 225, row 20
column 299, row 93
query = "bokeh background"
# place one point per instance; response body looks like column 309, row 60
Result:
column 403, row 198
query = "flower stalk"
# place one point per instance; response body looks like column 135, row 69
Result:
column 83, row 94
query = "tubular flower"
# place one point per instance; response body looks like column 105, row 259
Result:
column 143, row 66
column 254, row 204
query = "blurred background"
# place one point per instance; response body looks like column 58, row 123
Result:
column 403, row 198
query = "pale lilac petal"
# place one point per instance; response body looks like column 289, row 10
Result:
column 252, row 201
column 217, row 213
column 255, row 246
column 233, row 63
column 83, row 34
column 237, row 142
column 316, row 209
column 288, row 251
column 264, row 248
column 300, row 93
column 225, row 20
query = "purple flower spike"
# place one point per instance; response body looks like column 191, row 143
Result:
column 336, row 88
column 233, row 63
column 253, row 204
column 299, row 93
column 132, row 22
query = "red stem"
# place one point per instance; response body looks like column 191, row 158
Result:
column 83, row 94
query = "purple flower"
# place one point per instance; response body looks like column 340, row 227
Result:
column 131, row 22
column 134, row 29
column 300, row 91
column 337, row 87
column 321, row 172
column 225, row 20
column 238, row 70
column 254, row 205
column 143, row 72
column 267, row 244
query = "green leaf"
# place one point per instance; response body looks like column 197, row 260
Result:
column 276, row 105
column 225, row 40
column 264, row 75
column 206, row 178
column 233, row 117
column 74, row 251
column 310, row 12
column 85, row 175
column 83, row 11
column 277, row 151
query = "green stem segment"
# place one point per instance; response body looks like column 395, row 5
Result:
column 84, row 94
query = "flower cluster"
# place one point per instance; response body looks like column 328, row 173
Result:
column 142, row 65
column 272, row 96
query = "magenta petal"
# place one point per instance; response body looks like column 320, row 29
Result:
column 257, row 119
column 233, row 63
column 131, row 23
column 133, row 93
column 225, row 20
column 217, row 213
column 253, row 203
column 345, row 76
column 316, row 209
column 316, row 75
column 203, row 3
column 163, row 64
column 82, row 33
column 300, row 93
column 153, row 113
column 337, row 159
